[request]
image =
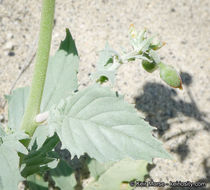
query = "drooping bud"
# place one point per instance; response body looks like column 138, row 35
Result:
column 170, row 76
column 149, row 66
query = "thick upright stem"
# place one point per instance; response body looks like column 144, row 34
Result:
column 33, row 105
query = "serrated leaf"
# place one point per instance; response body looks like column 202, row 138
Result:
column 63, row 176
column 17, row 103
column 9, row 159
column 104, row 67
column 39, row 160
column 125, row 170
column 98, row 122
column 61, row 79
column 36, row 182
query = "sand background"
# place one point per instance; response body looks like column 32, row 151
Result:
column 181, row 117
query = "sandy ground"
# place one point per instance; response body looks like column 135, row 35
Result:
column 181, row 117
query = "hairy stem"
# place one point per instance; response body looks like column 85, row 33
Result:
column 33, row 105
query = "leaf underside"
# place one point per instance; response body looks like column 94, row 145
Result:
column 97, row 122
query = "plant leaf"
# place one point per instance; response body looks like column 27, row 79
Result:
column 97, row 169
column 38, row 160
column 17, row 103
column 100, row 123
column 36, row 182
column 61, row 79
column 104, row 66
column 39, row 137
column 2, row 132
column 63, row 176
column 9, row 159
column 120, row 172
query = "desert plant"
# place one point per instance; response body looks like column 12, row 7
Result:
column 94, row 123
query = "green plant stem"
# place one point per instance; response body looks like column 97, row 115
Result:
column 33, row 105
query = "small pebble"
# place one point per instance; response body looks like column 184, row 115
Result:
column 8, row 46
column 11, row 53
column 9, row 35
column 173, row 10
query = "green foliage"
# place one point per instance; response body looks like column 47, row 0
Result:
column 17, row 103
column 9, row 159
column 97, row 122
column 144, row 49
column 149, row 66
column 97, row 169
column 106, row 67
column 170, row 76
column 38, row 160
column 63, row 176
column 116, row 175
column 39, row 137
column 36, row 182
column 61, row 79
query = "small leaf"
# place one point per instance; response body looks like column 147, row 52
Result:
column 63, row 176
column 17, row 103
column 61, row 79
column 105, row 69
column 118, row 173
column 97, row 122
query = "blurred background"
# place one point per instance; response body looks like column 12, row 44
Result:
column 182, row 118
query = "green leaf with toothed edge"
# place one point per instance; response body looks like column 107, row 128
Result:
column 97, row 122
column 117, row 175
